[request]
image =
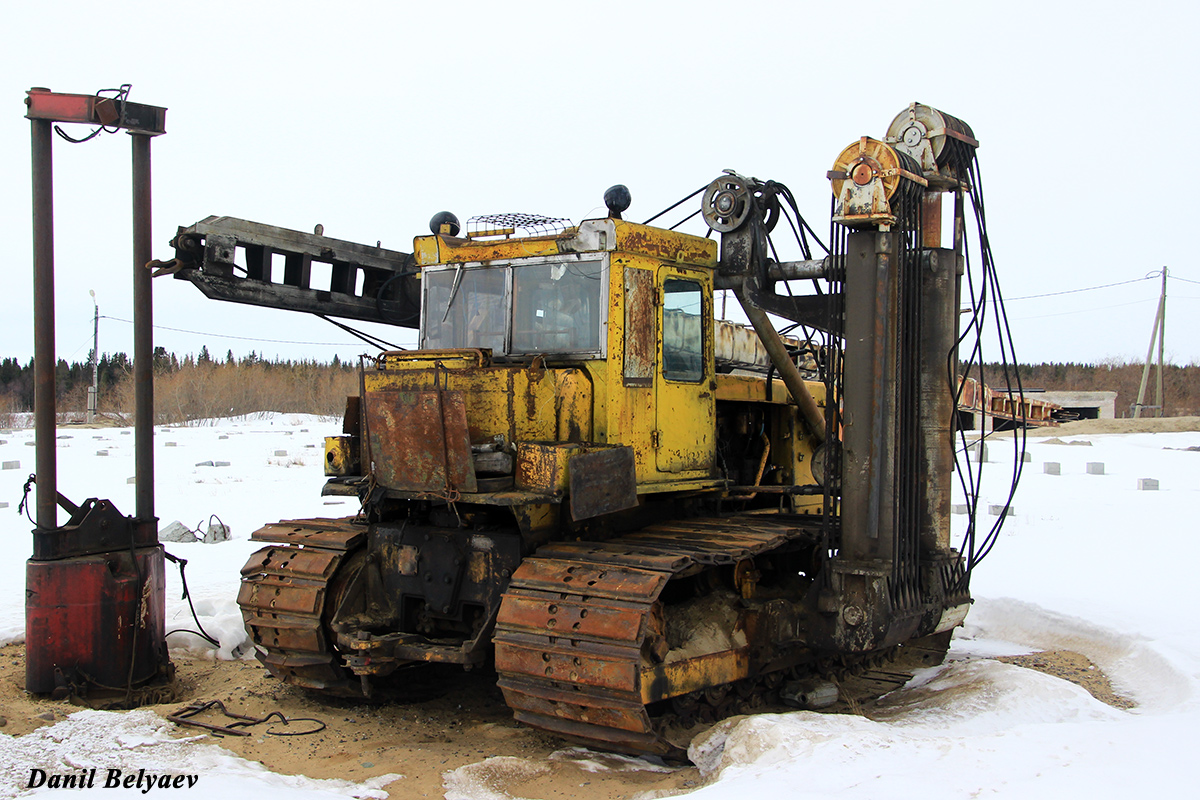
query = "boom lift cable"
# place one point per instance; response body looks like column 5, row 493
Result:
column 370, row 339
column 674, row 206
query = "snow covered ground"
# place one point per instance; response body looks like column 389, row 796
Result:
column 1088, row 563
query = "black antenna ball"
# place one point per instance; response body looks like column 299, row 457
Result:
column 444, row 218
column 617, row 198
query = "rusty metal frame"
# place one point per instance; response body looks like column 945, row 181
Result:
column 143, row 122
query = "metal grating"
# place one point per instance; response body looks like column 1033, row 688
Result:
column 515, row 225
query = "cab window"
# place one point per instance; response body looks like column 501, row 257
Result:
column 682, row 330
column 556, row 307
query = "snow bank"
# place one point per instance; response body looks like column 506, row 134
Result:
column 1088, row 564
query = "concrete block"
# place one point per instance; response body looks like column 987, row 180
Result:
column 204, row 463
column 960, row 508
column 220, row 463
column 101, row 452
column 131, row 480
column 1095, row 468
column 3, row 441
column 980, row 451
column 3, row 504
column 31, row 444
column 12, row 465
column 177, row 532
column 1147, row 484
column 304, row 430
column 126, row 433
column 222, row 436
column 1052, row 468
column 1027, row 457
column 281, row 452
column 996, row 511
column 217, row 532
column 170, row 444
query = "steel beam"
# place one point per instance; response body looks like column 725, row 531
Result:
column 43, row 324
column 143, row 334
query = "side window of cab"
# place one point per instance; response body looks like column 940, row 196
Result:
column 683, row 330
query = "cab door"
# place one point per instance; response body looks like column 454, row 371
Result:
column 685, row 403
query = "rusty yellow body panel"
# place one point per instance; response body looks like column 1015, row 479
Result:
column 672, row 679
column 340, row 456
column 602, row 235
column 517, row 402
column 542, row 467
column 753, row 389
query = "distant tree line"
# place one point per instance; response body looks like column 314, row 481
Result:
column 190, row 387
column 202, row 387
column 1181, row 384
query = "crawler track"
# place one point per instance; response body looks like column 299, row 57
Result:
column 583, row 639
column 285, row 593
column 582, row 645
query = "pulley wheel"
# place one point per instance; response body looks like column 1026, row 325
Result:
column 727, row 202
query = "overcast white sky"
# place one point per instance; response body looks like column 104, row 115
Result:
column 369, row 117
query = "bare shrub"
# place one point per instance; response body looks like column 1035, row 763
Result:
column 204, row 391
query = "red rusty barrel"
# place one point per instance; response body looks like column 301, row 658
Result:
column 87, row 617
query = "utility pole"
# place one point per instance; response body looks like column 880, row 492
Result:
column 1159, row 332
column 93, row 401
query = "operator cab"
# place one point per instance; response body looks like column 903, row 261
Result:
column 517, row 308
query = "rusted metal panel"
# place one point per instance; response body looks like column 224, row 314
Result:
column 542, row 467
column 592, row 709
column 575, row 411
column 639, row 333
column 331, row 534
column 623, row 553
column 585, row 664
column 293, row 562
column 602, row 481
column 613, row 739
column 341, row 456
column 311, row 671
column 287, row 633
column 671, row 246
column 661, row 681
column 572, row 617
column 273, row 593
column 99, row 614
column 594, row 580
column 527, row 403
column 90, row 109
column 419, row 441
column 456, row 250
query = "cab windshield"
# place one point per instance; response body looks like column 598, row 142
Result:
column 545, row 307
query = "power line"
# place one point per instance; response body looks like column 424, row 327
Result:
column 1088, row 310
column 241, row 338
column 1084, row 289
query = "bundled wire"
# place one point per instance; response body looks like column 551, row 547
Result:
column 119, row 96
column 983, row 289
